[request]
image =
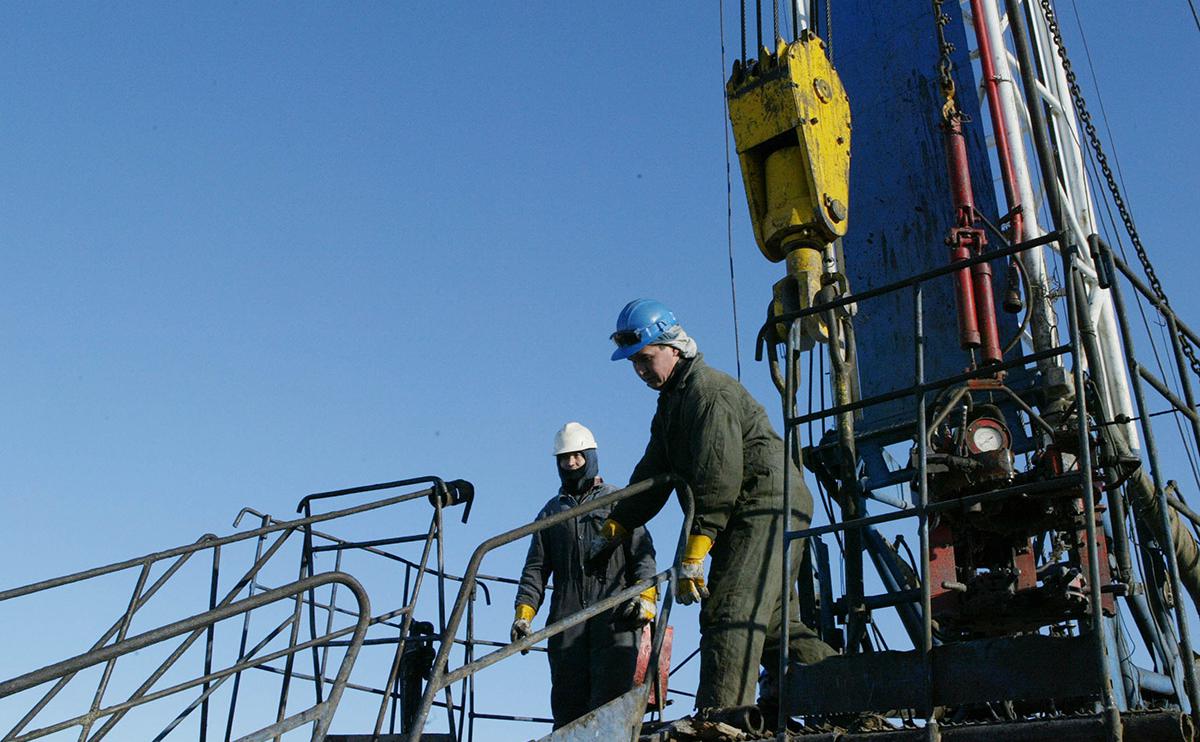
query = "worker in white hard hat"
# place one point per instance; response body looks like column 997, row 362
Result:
column 593, row 662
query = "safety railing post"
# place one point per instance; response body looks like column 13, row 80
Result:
column 237, row 678
column 931, row 724
column 1167, row 542
column 785, row 525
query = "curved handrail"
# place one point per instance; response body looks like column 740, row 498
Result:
column 207, row 542
column 440, row 678
column 321, row 713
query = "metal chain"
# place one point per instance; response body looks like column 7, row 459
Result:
column 945, row 62
column 1094, row 140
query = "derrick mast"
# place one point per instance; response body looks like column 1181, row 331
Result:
column 1008, row 398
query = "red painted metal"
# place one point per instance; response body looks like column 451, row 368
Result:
column 973, row 288
column 664, row 663
column 999, row 130
column 942, row 571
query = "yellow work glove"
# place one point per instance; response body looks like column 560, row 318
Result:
column 611, row 530
column 690, row 587
column 638, row 612
column 522, row 625
column 603, row 545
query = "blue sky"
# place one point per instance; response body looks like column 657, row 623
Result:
column 253, row 251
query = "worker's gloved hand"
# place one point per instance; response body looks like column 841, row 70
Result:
column 522, row 625
column 602, row 546
column 690, row 587
column 636, row 613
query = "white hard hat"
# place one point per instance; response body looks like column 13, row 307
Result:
column 573, row 437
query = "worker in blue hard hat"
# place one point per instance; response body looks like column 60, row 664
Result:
column 711, row 433
column 593, row 662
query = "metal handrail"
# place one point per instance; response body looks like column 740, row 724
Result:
column 321, row 713
column 142, row 594
column 441, row 678
column 207, row 541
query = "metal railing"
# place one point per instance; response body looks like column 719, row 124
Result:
column 115, row 642
column 1156, row 630
column 442, row 677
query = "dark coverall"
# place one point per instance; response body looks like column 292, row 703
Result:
column 592, row 663
column 709, row 431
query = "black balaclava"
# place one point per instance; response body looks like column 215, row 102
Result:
column 578, row 482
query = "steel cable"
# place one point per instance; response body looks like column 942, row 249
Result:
column 737, row 343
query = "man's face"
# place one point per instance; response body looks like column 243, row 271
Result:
column 571, row 461
column 654, row 364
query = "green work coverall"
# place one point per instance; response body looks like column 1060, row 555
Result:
column 709, row 431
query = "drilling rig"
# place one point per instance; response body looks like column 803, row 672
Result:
column 1003, row 553
column 970, row 395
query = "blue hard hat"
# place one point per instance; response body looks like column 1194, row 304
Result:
column 639, row 324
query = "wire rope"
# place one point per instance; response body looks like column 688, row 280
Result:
column 737, row 342
column 743, row 18
column 1114, row 236
column 829, row 28
column 758, row 26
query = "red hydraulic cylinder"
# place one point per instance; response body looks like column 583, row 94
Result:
column 973, row 288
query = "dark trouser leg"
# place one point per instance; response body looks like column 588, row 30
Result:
column 570, row 685
column 744, row 590
column 613, row 657
column 739, row 622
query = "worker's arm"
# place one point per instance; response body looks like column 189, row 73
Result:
column 539, row 565
column 716, row 448
column 635, row 511
column 641, row 555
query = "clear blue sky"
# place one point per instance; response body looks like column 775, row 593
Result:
column 253, row 251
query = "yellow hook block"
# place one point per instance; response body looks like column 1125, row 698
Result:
column 791, row 124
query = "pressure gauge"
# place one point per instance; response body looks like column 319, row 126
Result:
column 986, row 434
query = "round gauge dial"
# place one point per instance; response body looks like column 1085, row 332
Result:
column 985, row 435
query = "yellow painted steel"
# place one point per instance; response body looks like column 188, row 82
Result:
column 791, row 123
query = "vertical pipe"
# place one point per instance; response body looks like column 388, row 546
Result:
column 311, row 566
column 337, row 567
column 999, row 129
column 789, row 442
column 931, row 724
column 439, row 497
column 1096, row 615
column 1167, row 545
column 209, row 635
column 237, row 679
column 1041, row 323
column 468, row 658
column 1039, row 132
column 853, row 504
